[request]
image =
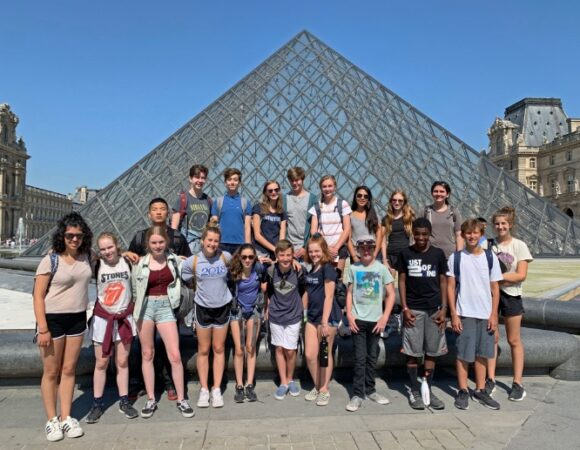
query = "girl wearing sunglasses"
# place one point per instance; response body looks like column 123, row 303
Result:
column 397, row 228
column 247, row 275
column 61, row 297
column 269, row 220
column 364, row 221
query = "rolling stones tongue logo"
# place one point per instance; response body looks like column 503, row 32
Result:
column 113, row 293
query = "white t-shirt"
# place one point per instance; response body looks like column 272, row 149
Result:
column 114, row 286
column 330, row 224
column 510, row 255
column 474, row 296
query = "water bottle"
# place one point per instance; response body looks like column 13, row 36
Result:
column 323, row 353
column 425, row 394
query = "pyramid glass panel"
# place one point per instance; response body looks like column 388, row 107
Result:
column 307, row 105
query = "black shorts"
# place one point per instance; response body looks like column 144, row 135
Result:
column 66, row 324
column 343, row 252
column 510, row 305
column 211, row 317
column 393, row 260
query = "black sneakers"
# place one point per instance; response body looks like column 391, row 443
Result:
column 490, row 386
column 185, row 409
column 149, row 408
column 462, row 399
column 127, row 409
column 436, row 403
column 415, row 400
column 239, row 395
column 518, row 393
column 95, row 413
column 250, row 393
column 485, row 399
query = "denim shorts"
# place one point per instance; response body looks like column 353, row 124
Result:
column 158, row 309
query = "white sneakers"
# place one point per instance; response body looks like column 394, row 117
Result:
column 56, row 431
column 203, row 399
column 217, row 400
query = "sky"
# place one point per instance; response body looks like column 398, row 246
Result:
column 97, row 85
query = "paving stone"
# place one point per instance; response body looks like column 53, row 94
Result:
column 237, row 442
column 257, row 439
column 279, row 438
column 344, row 441
column 303, row 446
column 323, row 446
column 386, row 440
column 466, row 437
column 301, row 438
column 406, row 439
column 215, row 442
column 447, row 439
column 364, row 440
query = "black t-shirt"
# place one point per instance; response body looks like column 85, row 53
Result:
column 315, row 287
column 422, row 272
column 177, row 243
column 269, row 226
column 398, row 239
column 285, row 295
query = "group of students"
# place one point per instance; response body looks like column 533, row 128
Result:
column 281, row 261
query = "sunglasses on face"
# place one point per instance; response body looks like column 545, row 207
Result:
column 397, row 200
column 365, row 244
column 71, row 236
column 362, row 196
column 247, row 257
column 273, row 191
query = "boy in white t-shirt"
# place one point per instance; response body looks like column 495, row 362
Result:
column 473, row 297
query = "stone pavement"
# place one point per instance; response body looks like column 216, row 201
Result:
column 547, row 418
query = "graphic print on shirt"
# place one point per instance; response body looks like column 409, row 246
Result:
column 217, row 271
column 198, row 215
column 368, row 287
column 417, row 269
column 113, row 292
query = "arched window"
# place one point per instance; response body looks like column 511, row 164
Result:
column 532, row 163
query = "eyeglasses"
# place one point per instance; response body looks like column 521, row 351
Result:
column 362, row 196
column 72, row 236
column 397, row 200
column 247, row 257
column 368, row 243
column 273, row 191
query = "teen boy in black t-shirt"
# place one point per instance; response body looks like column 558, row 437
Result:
column 423, row 293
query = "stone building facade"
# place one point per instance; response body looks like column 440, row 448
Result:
column 13, row 157
column 23, row 209
column 540, row 146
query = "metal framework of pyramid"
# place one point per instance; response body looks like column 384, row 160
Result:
column 307, row 105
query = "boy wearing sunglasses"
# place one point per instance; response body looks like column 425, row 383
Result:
column 369, row 300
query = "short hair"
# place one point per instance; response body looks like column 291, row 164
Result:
column 230, row 172
column 158, row 200
column 296, row 173
column 422, row 222
column 197, row 169
column 157, row 230
column 472, row 224
column 282, row 245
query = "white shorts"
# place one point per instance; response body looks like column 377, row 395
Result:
column 99, row 325
column 285, row 336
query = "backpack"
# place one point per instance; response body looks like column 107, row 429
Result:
column 312, row 201
column 183, row 206
column 53, row 268
column 188, row 293
column 98, row 266
column 457, row 265
column 220, row 204
column 337, row 208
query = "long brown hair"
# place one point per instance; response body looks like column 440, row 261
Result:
column 265, row 201
column 408, row 214
column 235, row 266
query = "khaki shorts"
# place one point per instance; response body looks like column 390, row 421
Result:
column 425, row 338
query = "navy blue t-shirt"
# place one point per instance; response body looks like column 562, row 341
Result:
column 285, row 294
column 314, row 281
column 269, row 226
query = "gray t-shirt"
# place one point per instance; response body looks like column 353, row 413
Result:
column 297, row 210
column 197, row 213
column 359, row 230
column 285, row 294
column 211, row 279
column 445, row 224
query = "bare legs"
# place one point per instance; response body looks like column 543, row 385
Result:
column 320, row 375
column 215, row 339
column 101, row 363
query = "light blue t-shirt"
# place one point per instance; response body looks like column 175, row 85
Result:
column 368, row 290
column 211, row 279
column 231, row 218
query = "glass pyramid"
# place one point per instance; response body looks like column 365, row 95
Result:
column 307, row 105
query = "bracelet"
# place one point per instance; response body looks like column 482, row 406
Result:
column 43, row 332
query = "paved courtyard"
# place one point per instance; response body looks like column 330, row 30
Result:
column 547, row 418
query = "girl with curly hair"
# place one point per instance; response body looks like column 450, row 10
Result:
column 61, row 299
column 397, row 228
column 247, row 277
